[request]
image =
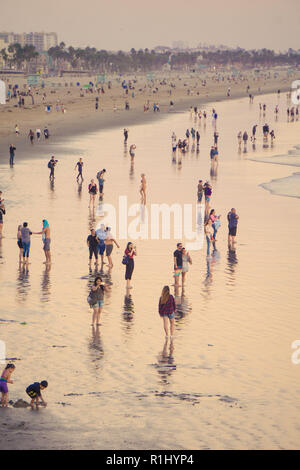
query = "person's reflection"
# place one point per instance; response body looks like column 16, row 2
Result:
column 128, row 311
column 79, row 189
column 183, row 307
column 165, row 362
column 131, row 171
column 45, row 284
column 125, row 149
column 210, row 264
column 232, row 262
column 214, row 171
column 96, row 346
column 23, row 284
column 91, row 219
column 51, row 185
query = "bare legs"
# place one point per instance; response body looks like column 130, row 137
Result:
column 168, row 321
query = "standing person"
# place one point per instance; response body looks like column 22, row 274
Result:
column 131, row 151
column 79, row 165
column 254, row 132
column 19, row 243
column 12, row 149
column 101, row 235
column 207, row 193
column 200, row 190
column 96, row 299
column 239, row 137
column 25, row 238
column 198, row 137
column 166, row 309
column 31, row 136
column 46, row 240
column 46, row 132
column 232, row 218
column 2, row 213
column 125, row 132
column 34, row 392
column 92, row 243
column 143, row 189
column 216, row 136
column 92, row 192
column 4, row 380
column 129, row 254
column 245, row 139
column 208, row 230
column 109, row 244
column 51, row 165
column 177, row 263
column 17, row 131
column 38, row 134
column 101, row 180
column 215, row 219
column 186, row 260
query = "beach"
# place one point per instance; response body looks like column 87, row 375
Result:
column 227, row 380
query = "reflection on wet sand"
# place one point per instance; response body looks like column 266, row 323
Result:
column 232, row 262
column 165, row 363
column 128, row 311
column 96, row 347
column 23, row 283
column 46, row 284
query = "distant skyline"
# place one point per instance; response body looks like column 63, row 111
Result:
column 121, row 25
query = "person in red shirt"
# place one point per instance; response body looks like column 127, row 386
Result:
column 166, row 309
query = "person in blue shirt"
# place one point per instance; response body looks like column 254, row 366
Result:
column 34, row 392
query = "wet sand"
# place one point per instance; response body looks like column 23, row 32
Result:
column 227, row 381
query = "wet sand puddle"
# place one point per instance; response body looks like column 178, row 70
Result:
column 227, row 380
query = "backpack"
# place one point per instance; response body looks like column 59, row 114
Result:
column 49, row 165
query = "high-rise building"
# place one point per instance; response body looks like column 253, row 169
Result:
column 41, row 41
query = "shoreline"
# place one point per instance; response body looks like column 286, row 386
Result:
column 69, row 125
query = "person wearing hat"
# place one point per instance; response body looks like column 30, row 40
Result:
column 34, row 392
column 46, row 240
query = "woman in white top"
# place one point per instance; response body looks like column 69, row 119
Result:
column 186, row 260
column 208, row 230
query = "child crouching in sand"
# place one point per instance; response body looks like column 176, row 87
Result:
column 34, row 392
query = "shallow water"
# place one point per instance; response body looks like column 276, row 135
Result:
column 227, row 381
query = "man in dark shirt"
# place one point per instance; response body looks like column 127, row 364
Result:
column 177, row 263
column 11, row 154
column 93, row 242
column 79, row 165
column 232, row 218
column 51, row 165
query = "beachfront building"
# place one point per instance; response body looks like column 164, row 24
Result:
column 41, row 41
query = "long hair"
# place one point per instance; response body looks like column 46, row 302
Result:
column 165, row 294
column 95, row 282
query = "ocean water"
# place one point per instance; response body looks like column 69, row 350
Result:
column 227, row 380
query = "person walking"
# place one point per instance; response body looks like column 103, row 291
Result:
column 101, row 235
column 208, row 230
column 51, row 165
column 79, row 165
column 92, row 192
column 12, row 150
column 166, row 309
column 200, row 191
column 177, row 263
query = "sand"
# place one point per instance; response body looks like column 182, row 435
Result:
column 81, row 116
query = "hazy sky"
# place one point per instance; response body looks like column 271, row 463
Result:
column 122, row 24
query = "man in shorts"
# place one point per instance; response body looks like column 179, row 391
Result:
column 232, row 218
column 46, row 240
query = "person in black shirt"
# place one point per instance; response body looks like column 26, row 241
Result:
column 34, row 392
column 11, row 154
column 51, row 165
column 79, row 164
column 177, row 263
column 92, row 243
